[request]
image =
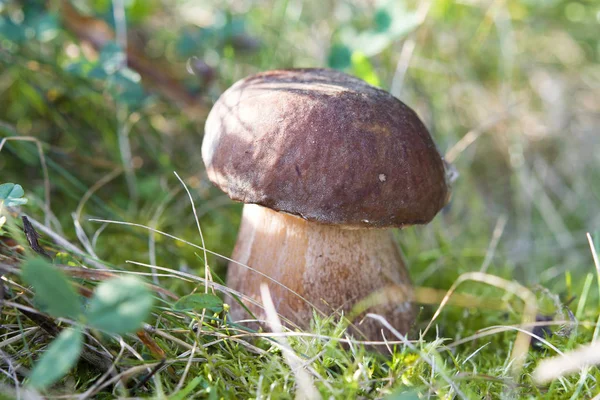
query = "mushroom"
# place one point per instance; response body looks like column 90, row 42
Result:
column 324, row 163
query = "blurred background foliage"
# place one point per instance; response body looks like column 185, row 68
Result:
column 117, row 91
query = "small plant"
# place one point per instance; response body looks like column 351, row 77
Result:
column 118, row 306
column 11, row 195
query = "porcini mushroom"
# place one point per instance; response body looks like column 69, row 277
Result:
column 324, row 163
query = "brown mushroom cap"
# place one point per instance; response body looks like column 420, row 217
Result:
column 325, row 146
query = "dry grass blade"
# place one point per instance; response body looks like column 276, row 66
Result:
column 216, row 286
column 125, row 375
column 306, row 388
column 351, row 342
column 86, row 196
column 422, row 295
column 209, row 252
column 567, row 363
column 407, row 51
column 521, row 346
column 157, row 352
column 207, row 273
column 171, row 338
column 597, row 265
column 496, row 235
column 470, row 137
column 426, row 295
column 19, row 337
column 96, row 358
column 154, row 224
column 578, row 359
column 104, row 376
column 492, row 330
column 186, row 370
column 535, row 190
column 103, row 275
column 64, row 243
column 11, row 373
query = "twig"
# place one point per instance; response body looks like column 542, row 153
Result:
column 32, row 237
column 64, row 243
column 149, row 375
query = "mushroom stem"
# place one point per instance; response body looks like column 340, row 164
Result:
column 328, row 267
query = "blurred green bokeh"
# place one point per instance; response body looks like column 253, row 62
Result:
column 509, row 90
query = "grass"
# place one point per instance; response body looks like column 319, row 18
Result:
column 507, row 89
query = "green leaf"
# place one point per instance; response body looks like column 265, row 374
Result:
column 369, row 42
column 53, row 291
column 46, row 27
column 111, row 58
column 199, row 301
column 391, row 21
column 12, row 195
column 10, row 190
column 120, row 305
column 339, row 56
column 126, row 86
column 81, row 68
column 394, row 19
column 11, row 31
column 362, row 68
column 97, row 72
column 57, row 360
column 382, row 20
column 123, row 83
column 190, row 41
column 138, row 10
